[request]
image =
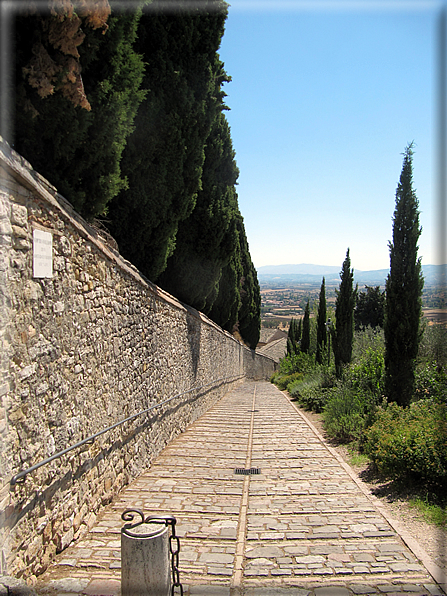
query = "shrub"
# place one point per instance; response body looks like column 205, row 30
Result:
column 368, row 374
column 311, row 391
column 275, row 376
column 410, row 442
column 366, row 340
column 314, row 399
column 348, row 413
column 283, row 381
column 299, row 362
column 433, row 345
column 431, row 382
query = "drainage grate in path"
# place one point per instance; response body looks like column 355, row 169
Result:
column 247, row 472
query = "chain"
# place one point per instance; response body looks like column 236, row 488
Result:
column 174, row 549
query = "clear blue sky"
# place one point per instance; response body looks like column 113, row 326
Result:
column 324, row 98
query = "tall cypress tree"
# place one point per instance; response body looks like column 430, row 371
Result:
column 206, row 240
column 292, row 338
column 249, row 315
column 343, row 334
column 403, row 290
column 226, row 306
column 238, row 303
column 321, row 324
column 305, row 339
column 164, row 156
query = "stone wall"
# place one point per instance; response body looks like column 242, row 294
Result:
column 82, row 349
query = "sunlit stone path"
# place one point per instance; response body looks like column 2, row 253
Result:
column 299, row 524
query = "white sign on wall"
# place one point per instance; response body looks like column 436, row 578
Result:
column 42, row 254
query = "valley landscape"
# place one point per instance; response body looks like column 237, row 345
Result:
column 285, row 290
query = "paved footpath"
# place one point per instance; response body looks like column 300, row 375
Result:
column 303, row 526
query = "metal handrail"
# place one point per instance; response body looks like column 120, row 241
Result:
column 90, row 439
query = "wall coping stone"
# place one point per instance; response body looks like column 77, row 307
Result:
column 24, row 173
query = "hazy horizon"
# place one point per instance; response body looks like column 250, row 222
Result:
column 324, row 98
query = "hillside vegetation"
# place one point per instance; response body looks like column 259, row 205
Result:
column 373, row 367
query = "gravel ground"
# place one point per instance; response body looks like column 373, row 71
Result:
column 430, row 537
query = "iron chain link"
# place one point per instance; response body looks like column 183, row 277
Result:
column 174, row 549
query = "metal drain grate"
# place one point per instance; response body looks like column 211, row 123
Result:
column 247, row 472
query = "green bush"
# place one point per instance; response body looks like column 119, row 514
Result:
column 275, row 376
column 283, row 381
column 299, row 362
column 314, row 399
column 312, row 391
column 431, row 382
column 348, row 413
column 433, row 345
column 368, row 373
column 410, row 442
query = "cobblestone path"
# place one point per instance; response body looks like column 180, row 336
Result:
column 303, row 526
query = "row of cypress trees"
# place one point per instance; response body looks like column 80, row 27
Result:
column 402, row 300
column 403, row 295
column 140, row 141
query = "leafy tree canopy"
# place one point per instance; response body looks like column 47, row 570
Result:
column 370, row 308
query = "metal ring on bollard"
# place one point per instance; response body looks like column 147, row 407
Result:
column 134, row 540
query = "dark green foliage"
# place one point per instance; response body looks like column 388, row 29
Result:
column 238, row 303
column 284, row 382
column 250, row 311
column 410, row 442
column 344, row 317
column 403, row 290
column 321, row 325
column 154, row 154
column 293, row 338
column 79, row 151
column 165, row 155
column 228, row 302
column 298, row 362
column 305, row 339
column 370, row 308
column 207, row 238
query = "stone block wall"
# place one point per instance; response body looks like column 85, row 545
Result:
column 81, row 350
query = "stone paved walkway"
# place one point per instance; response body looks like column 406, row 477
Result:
column 303, row 526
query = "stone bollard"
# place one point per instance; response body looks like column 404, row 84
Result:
column 145, row 555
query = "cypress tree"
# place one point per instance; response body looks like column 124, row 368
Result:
column 205, row 240
column 164, row 156
column 305, row 339
column 228, row 302
column 369, row 309
column 292, row 338
column 321, row 324
column 249, row 315
column 404, row 286
column 78, row 147
column 238, row 303
column 343, row 334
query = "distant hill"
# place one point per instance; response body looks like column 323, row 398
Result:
column 312, row 274
column 303, row 269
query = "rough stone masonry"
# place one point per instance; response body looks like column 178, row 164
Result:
column 86, row 341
